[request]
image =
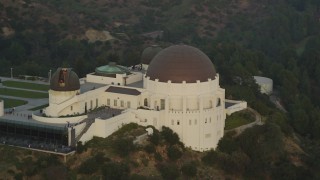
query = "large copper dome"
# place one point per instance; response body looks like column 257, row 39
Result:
column 181, row 63
column 64, row 79
column 148, row 53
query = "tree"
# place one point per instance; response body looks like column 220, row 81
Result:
column 170, row 136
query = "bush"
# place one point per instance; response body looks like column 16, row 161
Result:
column 150, row 148
column 158, row 157
column 115, row 171
column 169, row 171
column 80, row 147
column 89, row 166
column 155, row 138
column 138, row 177
column 170, row 136
column 174, row 153
column 210, row 158
column 123, row 146
column 189, row 169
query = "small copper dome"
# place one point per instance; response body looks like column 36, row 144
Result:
column 64, row 79
column 149, row 52
column 181, row 63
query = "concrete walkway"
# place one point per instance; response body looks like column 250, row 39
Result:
column 240, row 129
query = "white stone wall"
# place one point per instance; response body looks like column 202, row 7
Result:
column 105, row 127
column 238, row 106
column 118, row 80
column 56, row 120
column 266, row 84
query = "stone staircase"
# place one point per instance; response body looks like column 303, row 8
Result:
column 89, row 122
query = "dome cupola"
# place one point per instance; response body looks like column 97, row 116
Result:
column 180, row 63
column 148, row 53
column 64, row 79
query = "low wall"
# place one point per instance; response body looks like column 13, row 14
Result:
column 105, row 127
column 238, row 106
column 58, row 120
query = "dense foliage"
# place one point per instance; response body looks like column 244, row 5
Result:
column 279, row 39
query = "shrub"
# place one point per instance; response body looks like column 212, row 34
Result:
column 189, row 169
column 80, row 147
column 115, row 171
column 155, row 138
column 150, row 148
column 123, row 146
column 174, row 152
column 210, row 158
column 170, row 136
column 169, row 171
column 137, row 177
column 89, row 166
column 158, row 157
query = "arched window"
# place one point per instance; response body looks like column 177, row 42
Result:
column 145, row 102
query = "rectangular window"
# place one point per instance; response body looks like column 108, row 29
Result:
column 195, row 122
column 71, row 108
column 208, row 135
column 128, row 104
column 90, row 104
column 172, row 122
column 115, row 102
column 122, row 103
column 178, row 122
column 96, row 102
column 162, row 103
column 189, row 121
column 108, row 102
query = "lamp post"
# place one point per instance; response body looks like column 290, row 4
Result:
column 11, row 73
column 49, row 75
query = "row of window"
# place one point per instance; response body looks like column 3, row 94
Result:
column 115, row 103
column 207, row 120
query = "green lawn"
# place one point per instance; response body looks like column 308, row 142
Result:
column 238, row 119
column 26, row 85
column 22, row 93
column 9, row 103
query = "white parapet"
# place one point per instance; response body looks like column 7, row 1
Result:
column 233, row 106
column 1, row 107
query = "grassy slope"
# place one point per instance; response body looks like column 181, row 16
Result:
column 9, row 103
column 22, row 94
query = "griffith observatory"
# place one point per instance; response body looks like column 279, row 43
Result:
column 177, row 87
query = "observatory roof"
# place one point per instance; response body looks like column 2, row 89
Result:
column 149, row 52
column 111, row 69
column 64, row 79
column 181, row 63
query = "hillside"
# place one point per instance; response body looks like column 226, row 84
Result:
column 279, row 39
column 161, row 156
